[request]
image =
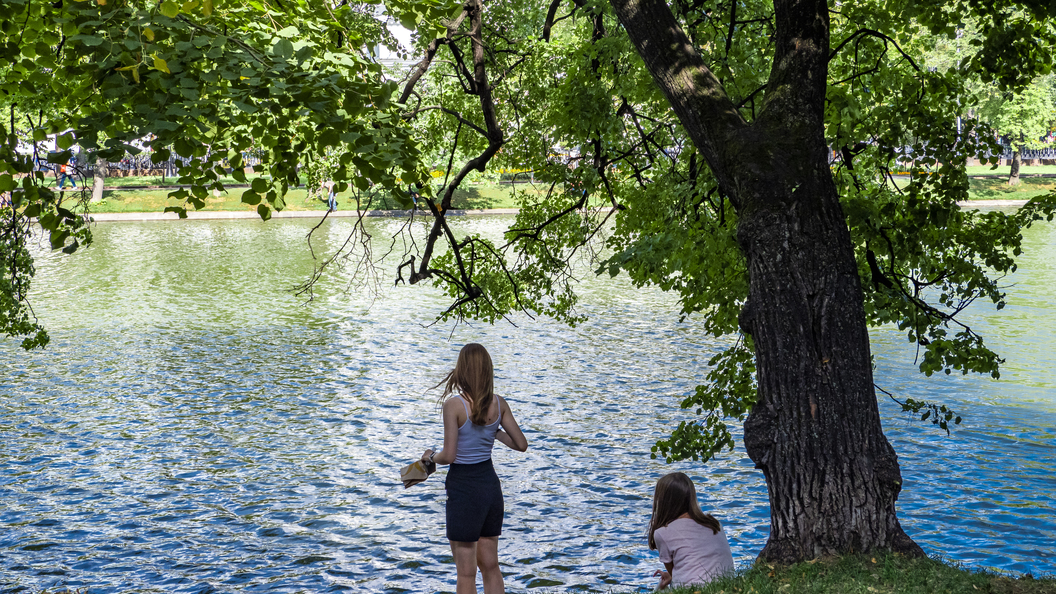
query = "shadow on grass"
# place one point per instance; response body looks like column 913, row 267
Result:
column 998, row 188
column 474, row 199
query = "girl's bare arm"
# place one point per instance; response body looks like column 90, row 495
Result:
column 510, row 434
column 447, row 454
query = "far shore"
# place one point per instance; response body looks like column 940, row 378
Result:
column 214, row 215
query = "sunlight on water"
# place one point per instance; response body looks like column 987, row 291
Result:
column 194, row 426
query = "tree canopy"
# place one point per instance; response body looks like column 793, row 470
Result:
column 571, row 81
column 741, row 153
column 207, row 82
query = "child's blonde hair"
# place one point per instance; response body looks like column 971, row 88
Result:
column 675, row 495
column 473, row 377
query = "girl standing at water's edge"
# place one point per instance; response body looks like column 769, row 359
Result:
column 473, row 419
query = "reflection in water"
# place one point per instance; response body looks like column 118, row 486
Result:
column 195, row 426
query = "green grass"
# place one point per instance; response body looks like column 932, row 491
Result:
column 997, row 188
column 1004, row 170
column 472, row 197
column 882, row 574
column 484, row 196
column 989, row 183
column 150, row 180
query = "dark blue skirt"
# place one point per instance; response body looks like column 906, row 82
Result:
column 474, row 502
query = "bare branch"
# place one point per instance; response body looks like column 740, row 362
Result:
column 430, row 53
column 857, row 34
column 461, row 119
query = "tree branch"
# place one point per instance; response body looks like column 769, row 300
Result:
column 450, row 112
column 548, row 24
column 695, row 94
column 430, row 53
column 878, row 35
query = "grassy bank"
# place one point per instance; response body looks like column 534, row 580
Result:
column 482, row 196
column 882, row 574
column 134, row 194
column 997, row 188
column 1004, row 170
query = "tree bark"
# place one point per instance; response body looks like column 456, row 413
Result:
column 98, row 180
column 815, row 430
column 1017, row 162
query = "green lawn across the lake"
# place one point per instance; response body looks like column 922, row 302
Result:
column 150, row 194
column 155, row 199
column 1004, row 170
column 987, row 183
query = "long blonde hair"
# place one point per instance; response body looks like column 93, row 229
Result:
column 675, row 495
column 473, row 377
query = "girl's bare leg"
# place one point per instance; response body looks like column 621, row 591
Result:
column 488, row 562
column 465, row 554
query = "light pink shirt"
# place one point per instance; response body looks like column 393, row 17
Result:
column 699, row 555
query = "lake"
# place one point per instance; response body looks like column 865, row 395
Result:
column 196, row 427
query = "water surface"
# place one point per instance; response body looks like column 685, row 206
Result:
column 195, row 427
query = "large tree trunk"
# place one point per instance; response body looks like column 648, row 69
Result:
column 815, row 431
column 1017, row 162
column 98, row 180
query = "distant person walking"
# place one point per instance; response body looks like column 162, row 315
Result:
column 331, row 198
column 473, row 419
column 412, row 191
column 692, row 544
column 65, row 176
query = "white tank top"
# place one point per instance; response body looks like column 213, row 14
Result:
column 475, row 441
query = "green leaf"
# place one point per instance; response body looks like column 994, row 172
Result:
column 170, row 9
column 60, row 157
column 259, row 185
column 179, row 210
column 90, row 40
column 250, row 197
column 65, row 141
column 409, row 21
column 161, row 65
column 402, row 198
column 160, row 156
column 264, row 212
column 283, row 48
column 58, row 237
